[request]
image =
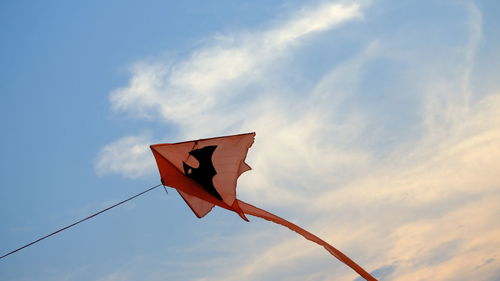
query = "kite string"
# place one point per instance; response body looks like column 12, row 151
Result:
column 82, row 220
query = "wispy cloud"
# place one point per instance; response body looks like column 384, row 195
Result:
column 216, row 80
column 387, row 152
column 128, row 156
column 216, row 76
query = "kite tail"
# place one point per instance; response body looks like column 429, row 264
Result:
column 254, row 211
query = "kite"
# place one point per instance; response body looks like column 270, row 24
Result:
column 205, row 173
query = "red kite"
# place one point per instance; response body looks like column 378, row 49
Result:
column 205, row 172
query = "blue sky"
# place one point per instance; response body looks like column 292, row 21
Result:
column 378, row 129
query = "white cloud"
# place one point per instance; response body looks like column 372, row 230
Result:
column 129, row 156
column 217, row 75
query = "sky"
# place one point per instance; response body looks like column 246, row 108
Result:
column 377, row 128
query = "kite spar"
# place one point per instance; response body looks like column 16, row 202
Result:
column 205, row 172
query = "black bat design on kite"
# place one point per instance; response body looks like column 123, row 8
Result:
column 205, row 172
